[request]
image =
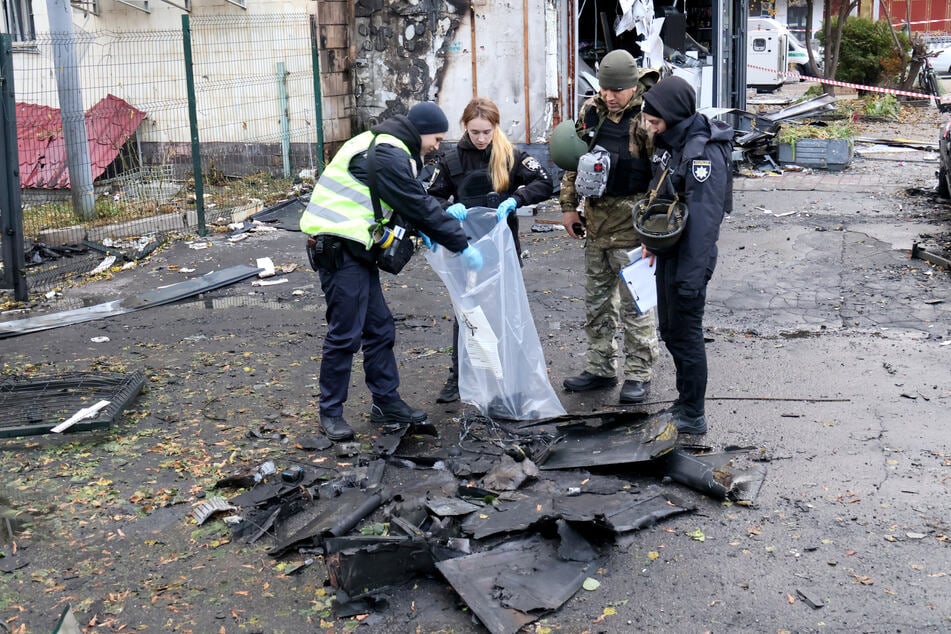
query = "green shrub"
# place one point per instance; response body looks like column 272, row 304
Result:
column 790, row 133
column 885, row 106
column 867, row 50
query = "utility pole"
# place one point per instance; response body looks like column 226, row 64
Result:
column 71, row 108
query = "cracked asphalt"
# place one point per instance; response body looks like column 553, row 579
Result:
column 828, row 348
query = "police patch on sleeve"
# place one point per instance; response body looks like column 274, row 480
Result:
column 531, row 163
column 700, row 169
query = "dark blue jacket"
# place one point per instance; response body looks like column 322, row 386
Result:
column 699, row 154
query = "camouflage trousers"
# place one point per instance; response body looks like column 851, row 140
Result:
column 608, row 302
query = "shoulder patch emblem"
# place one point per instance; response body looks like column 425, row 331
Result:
column 700, row 170
column 531, row 163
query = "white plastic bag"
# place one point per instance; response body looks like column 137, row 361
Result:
column 501, row 366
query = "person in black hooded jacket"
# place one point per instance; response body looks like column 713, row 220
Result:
column 485, row 170
column 692, row 159
column 343, row 249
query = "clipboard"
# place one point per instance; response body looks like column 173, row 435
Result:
column 638, row 276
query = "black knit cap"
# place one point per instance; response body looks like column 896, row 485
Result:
column 672, row 99
column 428, row 118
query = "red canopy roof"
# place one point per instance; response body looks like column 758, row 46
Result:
column 42, row 148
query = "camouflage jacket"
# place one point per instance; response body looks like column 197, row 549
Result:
column 609, row 218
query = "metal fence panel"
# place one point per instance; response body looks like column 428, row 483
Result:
column 254, row 97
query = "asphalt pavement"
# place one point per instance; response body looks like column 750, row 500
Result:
column 829, row 351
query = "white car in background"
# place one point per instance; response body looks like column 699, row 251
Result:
column 942, row 62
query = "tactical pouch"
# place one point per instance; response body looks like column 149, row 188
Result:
column 324, row 252
column 396, row 246
column 593, row 169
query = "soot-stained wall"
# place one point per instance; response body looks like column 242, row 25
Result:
column 400, row 54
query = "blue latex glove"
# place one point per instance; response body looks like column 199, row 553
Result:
column 472, row 258
column 457, row 211
column 427, row 242
column 508, row 206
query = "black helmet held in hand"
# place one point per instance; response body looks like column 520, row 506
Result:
column 659, row 222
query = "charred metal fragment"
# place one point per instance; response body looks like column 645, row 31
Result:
column 344, row 606
column 359, row 565
column 448, row 507
column 810, row 598
column 315, row 442
column 716, row 475
column 573, row 546
column 261, row 493
column 644, row 442
column 509, row 517
column 620, row 512
column 266, row 526
column 527, row 574
column 920, row 254
column 337, row 518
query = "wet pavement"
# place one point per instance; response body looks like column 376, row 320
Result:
column 829, row 354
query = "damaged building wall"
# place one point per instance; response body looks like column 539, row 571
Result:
column 450, row 51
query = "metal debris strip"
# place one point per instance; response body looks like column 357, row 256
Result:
column 211, row 506
column 48, row 266
column 35, row 405
column 917, row 253
column 158, row 297
column 284, row 215
column 586, row 447
column 513, row 585
column 716, row 474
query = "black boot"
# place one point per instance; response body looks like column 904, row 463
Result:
column 587, row 381
column 396, row 412
column 635, row 391
column 450, row 391
column 335, row 427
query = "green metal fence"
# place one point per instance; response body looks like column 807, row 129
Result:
column 255, row 125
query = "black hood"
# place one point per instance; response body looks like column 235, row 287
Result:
column 403, row 129
column 672, row 99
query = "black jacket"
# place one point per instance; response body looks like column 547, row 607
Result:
column 698, row 153
column 398, row 185
column 529, row 183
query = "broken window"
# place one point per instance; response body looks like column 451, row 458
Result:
column 18, row 20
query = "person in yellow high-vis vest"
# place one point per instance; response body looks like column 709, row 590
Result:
column 340, row 223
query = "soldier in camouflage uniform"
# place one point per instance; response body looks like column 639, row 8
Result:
column 611, row 120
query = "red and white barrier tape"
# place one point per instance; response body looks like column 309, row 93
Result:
column 833, row 82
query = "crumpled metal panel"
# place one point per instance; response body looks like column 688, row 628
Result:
column 42, row 147
column 510, row 586
column 642, row 442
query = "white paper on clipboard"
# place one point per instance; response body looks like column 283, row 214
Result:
column 638, row 276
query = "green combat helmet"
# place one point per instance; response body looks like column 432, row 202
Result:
column 565, row 147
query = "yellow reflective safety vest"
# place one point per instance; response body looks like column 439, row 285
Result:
column 340, row 204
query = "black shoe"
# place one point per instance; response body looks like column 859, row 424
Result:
column 450, row 391
column 635, row 391
column 396, row 412
column 690, row 424
column 335, row 427
column 674, row 409
column 587, row 381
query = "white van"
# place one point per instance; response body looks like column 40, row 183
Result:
column 764, row 30
column 767, row 50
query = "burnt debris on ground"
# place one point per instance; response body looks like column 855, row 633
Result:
column 513, row 516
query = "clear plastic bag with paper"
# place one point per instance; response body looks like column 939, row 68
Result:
column 501, row 365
